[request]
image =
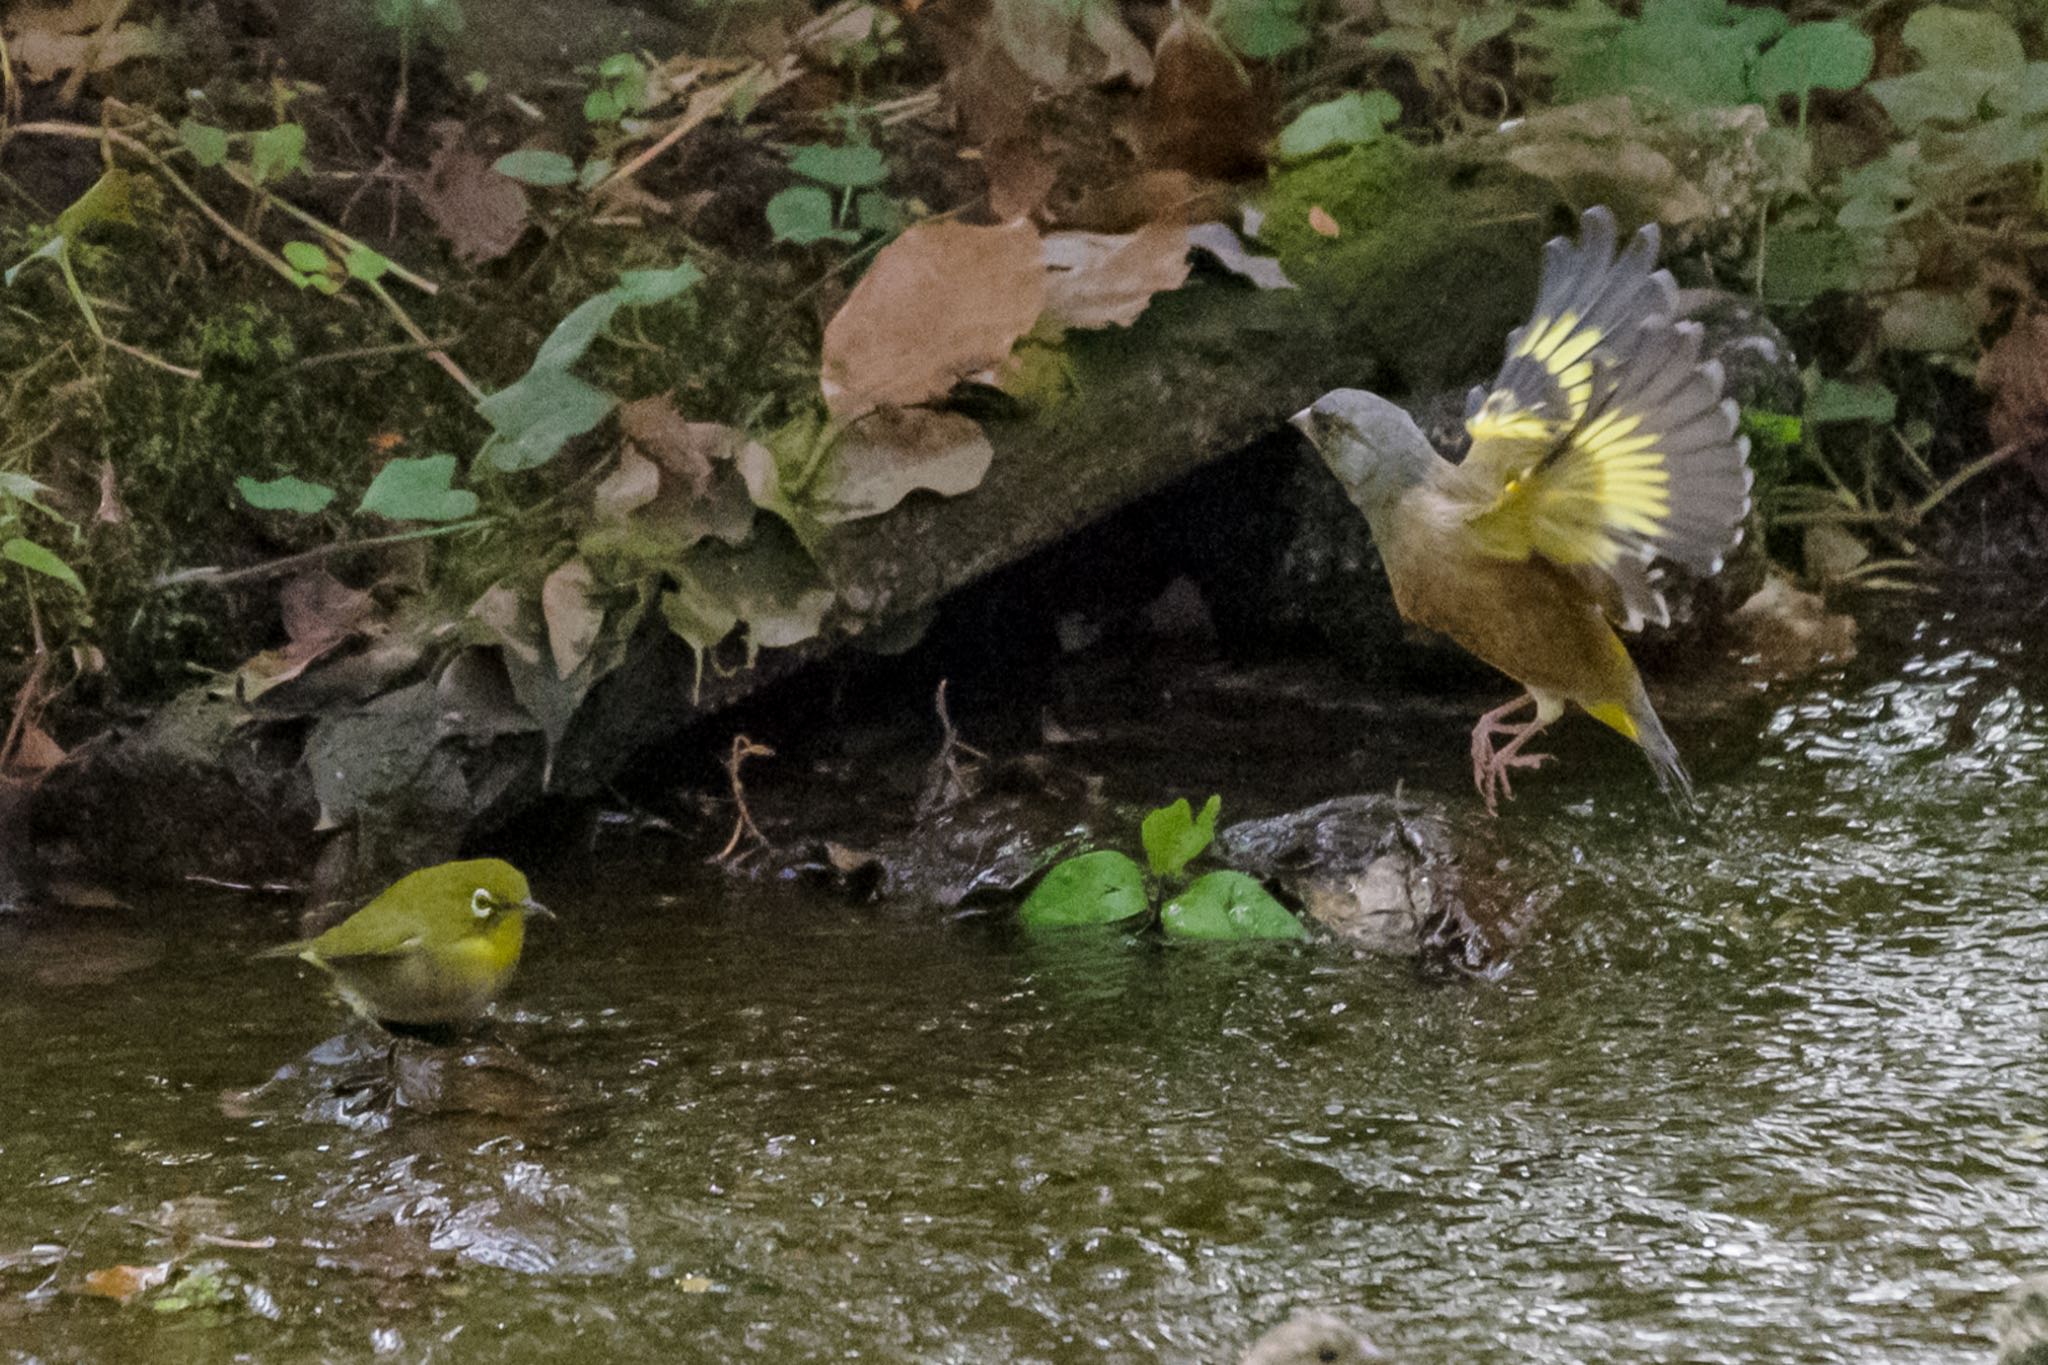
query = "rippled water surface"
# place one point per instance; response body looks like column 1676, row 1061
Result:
column 1767, row 1086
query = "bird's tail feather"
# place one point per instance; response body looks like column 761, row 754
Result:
column 1662, row 753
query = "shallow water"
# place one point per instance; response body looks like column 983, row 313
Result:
column 1765, row 1086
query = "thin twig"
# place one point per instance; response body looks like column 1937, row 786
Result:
column 743, row 826
column 1963, row 476
column 215, row 577
column 146, row 358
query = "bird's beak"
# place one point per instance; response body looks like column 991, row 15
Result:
column 534, row 907
column 1302, row 422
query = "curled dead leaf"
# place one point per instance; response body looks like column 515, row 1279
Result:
column 2015, row 373
column 499, row 613
column 34, row 753
column 320, row 613
column 892, row 452
column 1094, row 279
column 568, row 604
column 942, row 301
column 111, row 511
column 1205, row 112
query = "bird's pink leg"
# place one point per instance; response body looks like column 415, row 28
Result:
column 1489, row 764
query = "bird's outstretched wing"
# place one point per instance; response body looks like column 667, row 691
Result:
column 1605, row 442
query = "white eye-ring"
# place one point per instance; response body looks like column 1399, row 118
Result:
column 480, row 903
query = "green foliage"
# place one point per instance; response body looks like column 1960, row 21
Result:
column 536, row 166
column 1230, row 906
column 1175, row 836
column 36, row 557
column 1108, row 887
column 621, row 89
column 418, row 490
column 208, row 145
column 277, row 152
column 1346, row 121
column 842, row 205
column 1838, row 400
column 1261, row 29
column 533, row 417
column 435, row 21
column 286, row 493
column 1104, row 887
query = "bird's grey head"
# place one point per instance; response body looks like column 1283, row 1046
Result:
column 1371, row 445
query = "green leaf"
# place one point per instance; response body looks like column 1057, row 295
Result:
column 1260, row 29
column 700, row 618
column 532, row 418
column 1483, row 27
column 307, row 256
column 606, row 104
column 1838, row 400
column 1228, row 905
column 1830, row 56
column 284, row 494
column 1931, row 96
column 2024, row 92
column 367, row 265
column 51, row 250
column 1963, row 40
column 536, row 166
column 30, row 555
column 208, row 144
column 639, row 288
column 110, row 200
column 276, row 152
column 770, row 583
column 572, row 336
column 418, row 490
column 803, row 214
column 877, row 212
column 1175, row 836
column 1345, row 121
column 592, row 171
column 855, row 166
column 1805, row 263
column 1096, row 888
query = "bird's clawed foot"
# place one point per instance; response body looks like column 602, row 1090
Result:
column 1490, row 764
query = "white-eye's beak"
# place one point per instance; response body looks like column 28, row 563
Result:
column 1303, row 422
column 534, row 907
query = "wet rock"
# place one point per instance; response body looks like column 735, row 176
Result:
column 363, row 1078
column 1377, row 871
column 1313, row 1337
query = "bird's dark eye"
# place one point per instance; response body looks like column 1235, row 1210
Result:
column 480, row 903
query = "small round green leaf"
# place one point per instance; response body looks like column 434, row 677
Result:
column 1839, row 400
column 276, row 152
column 30, row 555
column 284, row 494
column 802, row 214
column 367, row 265
column 638, row 288
column 1228, row 905
column 208, row 144
column 307, row 256
column 1095, row 888
column 418, row 490
column 1963, row 39
column 536, row 166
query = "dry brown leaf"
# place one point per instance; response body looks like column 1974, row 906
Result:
column 628, row 488
column 1205, row 112
column 574, row 618
column 1020, row 176
column 126, row 1283
column 1320, row 221
column 479, row 211
column 1063, row 45
column 111, row 510
column 498, row 610
column 320, row 613
column 2015, row 373
column 1096, row 280
column 683, row 449
column 942, row 301
column 892, row 452
column 84, row 38
column 1785, row 632
column 34, row 753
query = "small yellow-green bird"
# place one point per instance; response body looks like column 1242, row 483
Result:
column 1603, row 445
column 433, row 950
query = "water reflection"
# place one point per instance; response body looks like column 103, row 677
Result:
column 1763, row 1087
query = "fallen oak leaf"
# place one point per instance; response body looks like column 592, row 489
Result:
column 126, row 1283
column 320, row 613
column 943, row 301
